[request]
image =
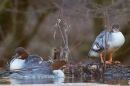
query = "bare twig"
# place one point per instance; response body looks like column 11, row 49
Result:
column 7, row 65
column 63, row 26
column 2, row 33
column 66, row 36
column 51, row 60
column 75, row 46
column 105, row 14
column 55, row 27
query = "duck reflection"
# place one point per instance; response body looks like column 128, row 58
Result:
column 37, row 81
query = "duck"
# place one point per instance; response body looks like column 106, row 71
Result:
column 114, row 40
column 23, row 64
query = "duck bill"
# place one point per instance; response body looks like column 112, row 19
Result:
column 16, row 55
column 115, row 30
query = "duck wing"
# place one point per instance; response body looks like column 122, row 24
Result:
column 99, row 44
column 33, row 60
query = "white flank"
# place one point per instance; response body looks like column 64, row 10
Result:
column 16, row 64
column 58, row 73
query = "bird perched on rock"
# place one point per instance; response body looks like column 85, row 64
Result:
column 111, row 40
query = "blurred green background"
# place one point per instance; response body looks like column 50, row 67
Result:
column 29, row 23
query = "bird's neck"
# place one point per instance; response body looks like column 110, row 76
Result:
column 57, row 64
column 24, row 55
column 115, row 30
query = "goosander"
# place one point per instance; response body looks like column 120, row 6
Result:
column 28, row 65
column 114, row 40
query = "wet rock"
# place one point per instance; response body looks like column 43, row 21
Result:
column 111, row 70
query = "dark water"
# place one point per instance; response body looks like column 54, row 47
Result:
column 110, row 81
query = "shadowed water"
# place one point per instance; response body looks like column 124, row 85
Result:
column 111, row 81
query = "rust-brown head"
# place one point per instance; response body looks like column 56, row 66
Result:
column 115, row 27
column 21, row 53
column 58, row 64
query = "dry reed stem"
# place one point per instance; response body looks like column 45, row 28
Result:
column 64, row 52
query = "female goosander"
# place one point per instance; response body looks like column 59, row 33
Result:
column 114, row 40
column 29, row 65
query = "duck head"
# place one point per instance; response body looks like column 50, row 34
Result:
column 21, row 53
column 58, row 64
column 115, row 27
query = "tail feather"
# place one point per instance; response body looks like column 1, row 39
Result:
column 92, row 54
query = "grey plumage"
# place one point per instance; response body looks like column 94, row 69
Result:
column 34, row 65
column 109, row 40
column 99, row 43
column 29, row 65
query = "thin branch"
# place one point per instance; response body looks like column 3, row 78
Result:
column 105, row 14
column 66, row 37
column 105, row 49
column 75, row 46
column 2, row 33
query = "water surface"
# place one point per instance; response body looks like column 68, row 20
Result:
column 114, row 81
